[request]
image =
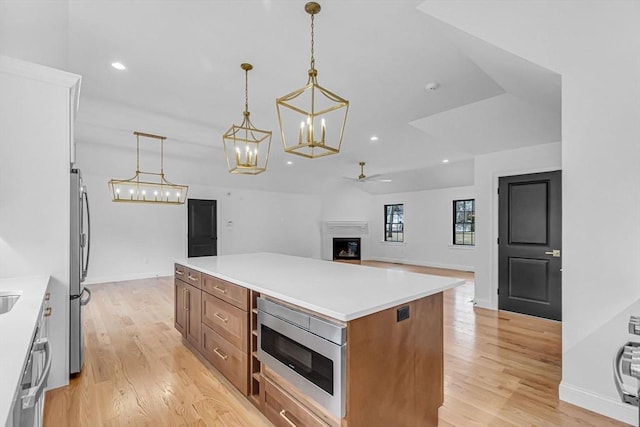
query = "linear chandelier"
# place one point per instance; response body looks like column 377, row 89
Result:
column 312, row 118
column 246, row 147
column 154, row 188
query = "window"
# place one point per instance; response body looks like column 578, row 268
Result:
column 464, row 222
column 394, row 223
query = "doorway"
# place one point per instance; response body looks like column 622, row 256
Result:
column 202, row 225
column 530, row 244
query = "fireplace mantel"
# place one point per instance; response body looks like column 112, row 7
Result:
column 361, row 226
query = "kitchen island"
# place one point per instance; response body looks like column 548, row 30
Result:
column 392, row 319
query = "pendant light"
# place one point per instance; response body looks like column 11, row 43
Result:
column 148, row 187
column 312, row 118
column 246, row 147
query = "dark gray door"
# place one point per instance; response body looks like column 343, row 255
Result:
column 530, row 244
column 202, row 228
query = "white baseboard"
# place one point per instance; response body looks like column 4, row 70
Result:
column 598, row 403
column 125, row 277
column 424, row 264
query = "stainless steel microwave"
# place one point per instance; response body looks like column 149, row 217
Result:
column 307, row 351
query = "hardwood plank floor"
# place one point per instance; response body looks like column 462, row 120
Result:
column 501, row 369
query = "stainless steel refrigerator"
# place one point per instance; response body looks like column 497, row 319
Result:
column 80, row 239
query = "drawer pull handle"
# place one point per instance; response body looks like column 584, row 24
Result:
column 225, row 320
column 47, row 312
column 220, row 354
column 283, row 414
column 195, row 279
column 179, row 273
column 219, row 289
column 47, row 296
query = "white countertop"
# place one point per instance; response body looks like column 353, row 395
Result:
column 339, row 290
column 17, row 328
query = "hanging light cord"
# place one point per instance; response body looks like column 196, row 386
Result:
column 246, row 91
column 137, row 153
column 313, row 60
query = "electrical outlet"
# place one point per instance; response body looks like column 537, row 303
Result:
column 403, row 313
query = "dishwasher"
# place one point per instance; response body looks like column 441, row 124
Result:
column 29, row 405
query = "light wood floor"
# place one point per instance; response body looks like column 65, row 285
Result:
column 501, row 369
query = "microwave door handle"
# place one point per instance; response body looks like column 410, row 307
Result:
column 34, row 393
column 85, row 268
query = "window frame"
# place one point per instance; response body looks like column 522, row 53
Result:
column 472, row 224
column 399, row 231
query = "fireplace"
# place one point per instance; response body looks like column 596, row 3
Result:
column 346, row 248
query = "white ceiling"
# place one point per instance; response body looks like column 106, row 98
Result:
column 183, row 80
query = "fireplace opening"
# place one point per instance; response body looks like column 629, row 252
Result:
column 346, row 248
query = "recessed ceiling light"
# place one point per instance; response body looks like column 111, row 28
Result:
column 289, row 162
column 374, row 138
column 445, row 161
column 118, row 66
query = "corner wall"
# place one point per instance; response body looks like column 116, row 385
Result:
column 428, row 225
column 592, row 45
column 488, row 169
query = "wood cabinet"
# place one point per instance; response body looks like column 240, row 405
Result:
column 255, row 366
column 187, row 304
column 212, row 315
column 180, row 307
column 227, row 320
column 284, row 411
column 226, row 291
column 226, row 358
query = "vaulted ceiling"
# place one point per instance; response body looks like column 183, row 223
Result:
column 183, row 79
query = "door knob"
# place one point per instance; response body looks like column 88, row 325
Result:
column 555, row 252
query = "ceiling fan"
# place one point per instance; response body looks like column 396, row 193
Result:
column 364, row 178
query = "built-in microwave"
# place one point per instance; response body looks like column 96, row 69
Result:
column 307, row 351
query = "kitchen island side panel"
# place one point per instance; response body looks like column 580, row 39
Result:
column 396, row 364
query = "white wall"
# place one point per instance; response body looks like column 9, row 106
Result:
column 591, row 44
column 428, row 216
column 428, row 226
column 140, row 240
column 35, row 33
column 35, row 185
column 488, row 169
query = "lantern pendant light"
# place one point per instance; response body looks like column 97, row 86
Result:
column 312, row 118
column 246, row 147
column 148, row 187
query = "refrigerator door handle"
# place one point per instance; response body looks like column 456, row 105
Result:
column 85, row 268
column 86, row 301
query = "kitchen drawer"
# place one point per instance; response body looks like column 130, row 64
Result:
column 226, row 358
column 227, row 320
column 181, row 272
column 233, row 294
column 285, row 411
column 188, row 275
